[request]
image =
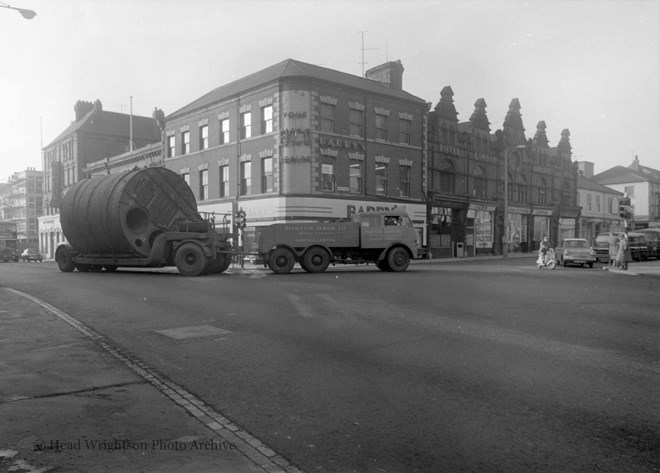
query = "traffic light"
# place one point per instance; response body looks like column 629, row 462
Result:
column 625, row 209
column 240, row 219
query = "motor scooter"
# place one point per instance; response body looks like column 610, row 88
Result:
column 550, row 262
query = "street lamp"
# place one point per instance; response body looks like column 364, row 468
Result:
column 505, row 241
column 27, row 14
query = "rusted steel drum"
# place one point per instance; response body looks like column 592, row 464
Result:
column 122, row 214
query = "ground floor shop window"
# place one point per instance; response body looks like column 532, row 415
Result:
column 517, row 232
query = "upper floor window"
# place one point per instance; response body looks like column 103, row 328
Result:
column 355, row 176
column 203, row 137
column 405, row 131
column 381, row 178
column 404, row 181
column 224, row 181
column 246, row 177
column 446, row 178
column 246, row 125
column 267, row 175
column 521, row 189
column 381, row 127
column 598, row 203
column 203, row 184
column 185, row 142
column 542, row 193
column 186, row 177
column 480, row 181
column 327, row 117
column 356, row 122
column 267, row 119
column 610, row 203
column 224, row 131
column 328, row 174
column 171, row 146
column 565, row 194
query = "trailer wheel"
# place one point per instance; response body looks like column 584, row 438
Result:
column 226, row 262
column 315, row 260
column 82, row 267
column 64, row 259
column 110, row 267
column 398, row 259
column 190, row 260
column 281, row 260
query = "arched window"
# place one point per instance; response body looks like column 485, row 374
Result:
column 542, row 193
column 480, row 180
column 511, row 191
column 448, row 177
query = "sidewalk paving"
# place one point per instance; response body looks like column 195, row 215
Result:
column 68, row 405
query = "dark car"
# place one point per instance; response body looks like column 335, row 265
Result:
column 31, row 254
column 652, row 236
column 601, row 246
column 8, row 254
column 575, row 251
column 639, row 251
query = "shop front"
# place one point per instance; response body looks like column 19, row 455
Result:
column 541, row 226
column 517, row 233
column 480, row 232
column 447, row 232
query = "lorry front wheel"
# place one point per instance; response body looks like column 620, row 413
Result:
column 281, row 260
column 382, row 265
column 190, row 260
column 64, row 259
column 315, row 260
column 398, row 259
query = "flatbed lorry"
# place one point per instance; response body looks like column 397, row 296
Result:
column 386, row 238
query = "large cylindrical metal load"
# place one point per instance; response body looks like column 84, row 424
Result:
column 122, row 214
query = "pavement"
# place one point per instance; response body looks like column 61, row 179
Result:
column 72, row 402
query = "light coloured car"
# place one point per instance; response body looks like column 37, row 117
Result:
column 576, row 251
column 31, row 254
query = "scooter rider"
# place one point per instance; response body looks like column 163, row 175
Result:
column 544, row 246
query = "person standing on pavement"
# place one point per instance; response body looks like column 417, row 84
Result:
column 623, row 256
column 614, row 249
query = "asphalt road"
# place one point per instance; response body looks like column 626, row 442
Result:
column 490, row 366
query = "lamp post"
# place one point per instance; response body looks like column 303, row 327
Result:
column 27, row 14
column 505, row 241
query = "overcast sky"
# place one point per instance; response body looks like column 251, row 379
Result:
column 590, row 66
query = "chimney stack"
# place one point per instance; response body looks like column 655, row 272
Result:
column 389, row 74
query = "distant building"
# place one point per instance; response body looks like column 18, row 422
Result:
column 94, row 135
column 466, row 183
column 299, row 142
column 21, row 201
column 642, row 185
column 600, row 205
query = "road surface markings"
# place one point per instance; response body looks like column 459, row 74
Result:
column 304, row 309
column 246, row 443
column 195, row 331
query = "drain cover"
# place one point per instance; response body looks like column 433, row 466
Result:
column 192, row 332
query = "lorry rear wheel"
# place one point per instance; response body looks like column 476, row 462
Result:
column 382, row 265
column 190, row 260
column 64, row 259
column 315, row 260
column 281, row 261
column 398, row 259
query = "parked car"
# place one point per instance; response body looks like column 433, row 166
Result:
column 8, row 254
column 652, row 236
column 31, row 254
column 639, row 251
column 576, row 251
column 601, row 246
